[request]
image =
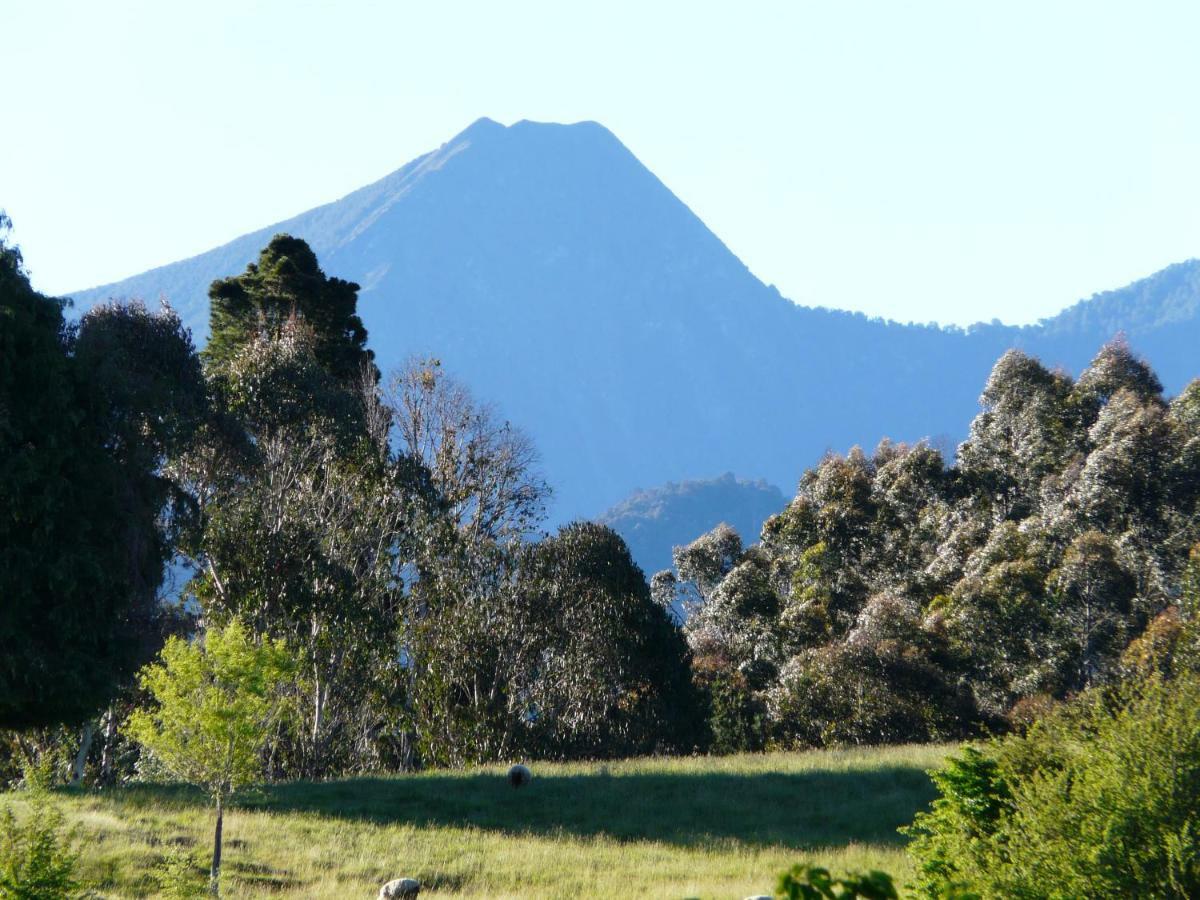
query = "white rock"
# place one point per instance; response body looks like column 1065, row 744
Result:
column 400, row 889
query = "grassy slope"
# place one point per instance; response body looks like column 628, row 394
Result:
column 696, row 827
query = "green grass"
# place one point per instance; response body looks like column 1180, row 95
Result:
column 693, row 827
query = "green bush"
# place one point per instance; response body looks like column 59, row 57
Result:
column 803, row 882
column 1101, row 799
column 36, row 859
column 181, row 877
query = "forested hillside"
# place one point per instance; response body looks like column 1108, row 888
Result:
column 555, row 275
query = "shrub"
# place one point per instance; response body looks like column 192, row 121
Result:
column 180, row 876
column 36, row 859
column 803, row 882
column 1098, row 800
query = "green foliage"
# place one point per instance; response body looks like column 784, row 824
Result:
column 40, row 773
column 36, row 858
column 550, row 650
column 1097, row 800
column 866, row 692
column 737, row 717
column 284, row 286
column 897, row 598
column 212, row 707
column 180, row 876
column 805, row 882
column 85, row 421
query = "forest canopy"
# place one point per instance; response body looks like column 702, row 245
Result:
column 386, row 529
column 901, row 596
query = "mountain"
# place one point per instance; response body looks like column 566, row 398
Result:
column 654, row 521
column 549, row 269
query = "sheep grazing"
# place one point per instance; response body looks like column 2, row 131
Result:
column 519, row 776
column 400, row 889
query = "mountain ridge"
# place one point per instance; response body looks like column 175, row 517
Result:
column 560, row 278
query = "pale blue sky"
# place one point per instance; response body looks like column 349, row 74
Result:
column 923, row 161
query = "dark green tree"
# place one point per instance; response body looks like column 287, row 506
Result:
column 286, row 284
column 1093, row 596
column 85, row 423
column 615, row 676
column 547, row 650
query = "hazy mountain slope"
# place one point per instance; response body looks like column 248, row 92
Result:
column 652, row 522
column 1159, row 315
column 561, row 279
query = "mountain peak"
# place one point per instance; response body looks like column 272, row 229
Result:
column 564, row 282
column 479, row 128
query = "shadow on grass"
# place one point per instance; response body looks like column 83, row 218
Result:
column 798, row 810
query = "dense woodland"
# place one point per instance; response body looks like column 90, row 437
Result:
column 384, row 528
column 902, row 596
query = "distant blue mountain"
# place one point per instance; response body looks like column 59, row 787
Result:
column 654, row 521
column 553, row 272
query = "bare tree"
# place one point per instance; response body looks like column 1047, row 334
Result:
column 483, row 467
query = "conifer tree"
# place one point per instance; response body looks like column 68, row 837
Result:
column 284, row 285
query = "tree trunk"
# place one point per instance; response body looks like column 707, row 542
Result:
column 106, row 753
column 85, row 746
column 214, row 877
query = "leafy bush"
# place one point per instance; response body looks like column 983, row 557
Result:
column 39, row 773
column 1098, row 800
column 180, row 876
column 36, row 859
column 803, row 882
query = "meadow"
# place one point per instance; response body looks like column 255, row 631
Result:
column 713, row 827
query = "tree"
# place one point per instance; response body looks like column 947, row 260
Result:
column 307, row 518
column 213, row 705
column 85, row 423
column 891, row 582
column 1114, row 369
column 484, row 468
column 704, row 562
column 286, row 284
column 37, row 861
column 1094, row 597
column 1022, row 434
column 884, row 684
column 550, row 650
column 614, row 676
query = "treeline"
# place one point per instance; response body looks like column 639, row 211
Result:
column 382, row 527
column 904, row 597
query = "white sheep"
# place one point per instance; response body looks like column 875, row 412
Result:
column 400, row 889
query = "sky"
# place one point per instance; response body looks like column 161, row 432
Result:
column 951, row 162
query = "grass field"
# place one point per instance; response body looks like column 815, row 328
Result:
column 695, row 827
